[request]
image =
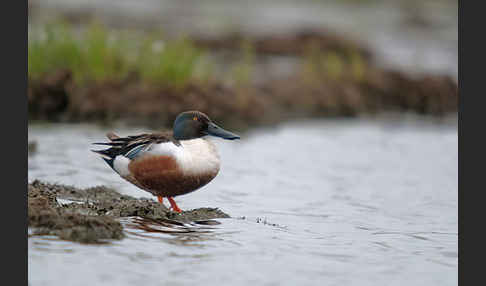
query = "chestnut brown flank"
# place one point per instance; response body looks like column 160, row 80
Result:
column 161, row 176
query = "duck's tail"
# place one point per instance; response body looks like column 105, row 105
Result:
column 109, row 155
column 106, row 157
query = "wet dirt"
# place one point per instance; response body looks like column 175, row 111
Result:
column 90, row 215
column 291, row 43
column 240, row 107
column 330, row 76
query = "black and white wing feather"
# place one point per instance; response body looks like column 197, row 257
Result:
column 131, row 146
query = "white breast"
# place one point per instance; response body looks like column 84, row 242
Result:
column 199, row 156
column 195, row 156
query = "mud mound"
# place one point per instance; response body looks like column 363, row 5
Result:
column 90, row 215
column 292, row 44
column 335, row 77
column 137, row 102
column 49, row 98
column 378, row 91
column 246, row 106
column 46, row 216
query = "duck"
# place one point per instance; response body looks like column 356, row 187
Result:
column 168, row 163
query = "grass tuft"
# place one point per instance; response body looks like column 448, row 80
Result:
column 53, row 49
column 168, row 61
column 243, row 70
column 97, row 54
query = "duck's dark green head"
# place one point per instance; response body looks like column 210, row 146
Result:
column 195, row 124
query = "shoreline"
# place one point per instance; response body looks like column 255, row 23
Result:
column 92, row 215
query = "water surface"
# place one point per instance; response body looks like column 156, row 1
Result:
column 328, row 202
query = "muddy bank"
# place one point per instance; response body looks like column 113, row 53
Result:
column 90, row 215
column 56, row 98
column 376, row 92
column 330, row 76
column 291, row 44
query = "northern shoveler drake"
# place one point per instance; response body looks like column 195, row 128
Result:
column 168, row 164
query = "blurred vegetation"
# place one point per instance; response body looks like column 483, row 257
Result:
column 168, row 61
column 55, row 48
column 317, row 65
column 97, row 54
column 334, row 78
column 243, row 70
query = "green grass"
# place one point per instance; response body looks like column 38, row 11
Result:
column 330, row 65
column 96, row 54
column 103, row 57
column 358, row 67
column 241, row 73
column 170, row 61
column 58, row 49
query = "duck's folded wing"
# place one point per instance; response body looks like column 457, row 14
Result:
column 131, row 146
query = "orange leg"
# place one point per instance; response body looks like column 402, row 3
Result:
column 161, row 199
column 174, row 205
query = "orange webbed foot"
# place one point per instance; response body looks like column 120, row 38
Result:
column 174, row 205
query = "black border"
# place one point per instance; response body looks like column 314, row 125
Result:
column 14, row 141
column 460, row 141
column 471, row 123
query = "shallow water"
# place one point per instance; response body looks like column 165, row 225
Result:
column 328, row 202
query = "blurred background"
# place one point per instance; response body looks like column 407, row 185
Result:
column 347, row 168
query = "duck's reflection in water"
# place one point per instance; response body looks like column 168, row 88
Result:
column 171, row 231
